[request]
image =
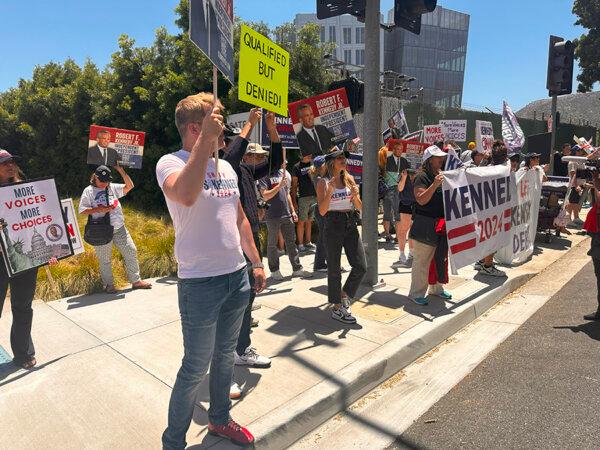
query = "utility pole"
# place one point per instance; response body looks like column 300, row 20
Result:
column 553, row 136
column 371, row 138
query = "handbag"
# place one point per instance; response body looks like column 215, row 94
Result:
column 423, row 230
column 98, row 231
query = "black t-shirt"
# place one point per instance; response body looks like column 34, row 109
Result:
column 305, row 184
column 560, row 168
column 435, row 207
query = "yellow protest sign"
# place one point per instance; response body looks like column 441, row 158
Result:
column 264, row 72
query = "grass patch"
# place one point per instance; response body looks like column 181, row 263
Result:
column 154, row 238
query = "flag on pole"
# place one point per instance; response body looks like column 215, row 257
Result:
column 414, row 136
column 513, row 136
column 453, row 161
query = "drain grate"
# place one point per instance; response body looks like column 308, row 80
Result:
column 4, row 356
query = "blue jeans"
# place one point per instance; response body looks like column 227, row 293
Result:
column 211, row 311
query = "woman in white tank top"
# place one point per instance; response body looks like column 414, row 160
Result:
column 339, row 202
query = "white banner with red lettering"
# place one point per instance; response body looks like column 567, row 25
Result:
column 524, row 218
column 432, row 134
column 32, row 225
column 477, row 203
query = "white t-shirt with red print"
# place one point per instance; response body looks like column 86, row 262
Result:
column 92, row 197
column 207, row 239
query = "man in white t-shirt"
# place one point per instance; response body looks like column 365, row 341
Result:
column 211, row 232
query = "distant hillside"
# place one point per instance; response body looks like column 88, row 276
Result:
column 574, row 108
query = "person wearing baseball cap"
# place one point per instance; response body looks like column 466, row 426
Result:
column 101, row 197
column 22, row 284
column 426, row 232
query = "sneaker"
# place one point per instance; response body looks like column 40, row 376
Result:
column 281, row 252
column 578, row 221
column 232, row 431
column 422, row 301
column 302, row 248
column 254, row 323
column 302, row 273
column 321, row 269
column 256, row 306
column 343, row 315
column 251, row 358
column 390, row 238
column 400, row 263
column 235, row 391
column 409, row 259
column 492, row 271
column 277, row 275
column 310, row 246
column 572, row 224
column 444, row 294
column 478, row 266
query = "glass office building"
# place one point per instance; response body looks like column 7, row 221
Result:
column 436, row 57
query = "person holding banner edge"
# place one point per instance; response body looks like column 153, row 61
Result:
column 395, row 164
column 22, row 285
column 428, row 223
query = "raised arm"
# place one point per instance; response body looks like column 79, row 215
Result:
column 126, row 178
column 185, row 186
column 238, row 147
column 276, row 157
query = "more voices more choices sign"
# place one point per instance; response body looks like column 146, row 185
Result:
column 524, row 218
column 322, row 121
column 484, row 135
column 33, row 227
column 478, row 205
column 109, row 146
column 454, row 130
column 433, row 134
column 72, row 225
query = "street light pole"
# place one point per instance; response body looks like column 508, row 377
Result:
column 372, row 132
column 553, row 136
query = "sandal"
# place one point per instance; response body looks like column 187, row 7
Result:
column 110, row 290
column 28, row 365
column 141, row 285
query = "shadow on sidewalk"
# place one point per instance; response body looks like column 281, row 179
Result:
column 592, row 329
column 9, row 368
column 95, row 299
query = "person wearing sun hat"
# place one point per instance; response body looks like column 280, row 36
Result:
column 428, row 228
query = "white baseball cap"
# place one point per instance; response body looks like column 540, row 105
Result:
column 433, row 150
column 256, row 149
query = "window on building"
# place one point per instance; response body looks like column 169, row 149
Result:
column 360, row 57
column 348, row 56
column 322, row 33
column 332, row 34
column 335, row 53
column 347, row 35
column 360, row 35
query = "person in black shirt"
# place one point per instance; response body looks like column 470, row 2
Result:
column 429, row 212
column 249, row 168
column 560, row 167
column 304, row 198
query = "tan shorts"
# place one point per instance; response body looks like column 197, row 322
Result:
column 304, row 206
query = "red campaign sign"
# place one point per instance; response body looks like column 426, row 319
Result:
column 124, row 146
column 411, row 150
column 328, row 116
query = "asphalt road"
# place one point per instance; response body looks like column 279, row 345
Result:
column 538, row 389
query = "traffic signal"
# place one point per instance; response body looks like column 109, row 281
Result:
column 407, row 13
column 561, row 56
column 355, row 90
column 332, row 8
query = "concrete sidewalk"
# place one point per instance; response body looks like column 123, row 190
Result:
column 107, row 363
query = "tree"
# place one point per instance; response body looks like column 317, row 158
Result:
column 587, row 49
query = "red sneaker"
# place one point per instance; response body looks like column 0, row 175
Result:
column 234, row 432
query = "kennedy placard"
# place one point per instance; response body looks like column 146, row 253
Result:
column 33, row 227
column 484, row 135
column 285, row 129
column 478, row 204
column 109, row 146
column 264, row 72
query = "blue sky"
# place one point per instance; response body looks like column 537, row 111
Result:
column 506, row 59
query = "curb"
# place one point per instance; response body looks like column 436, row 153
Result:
column 291, row 421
